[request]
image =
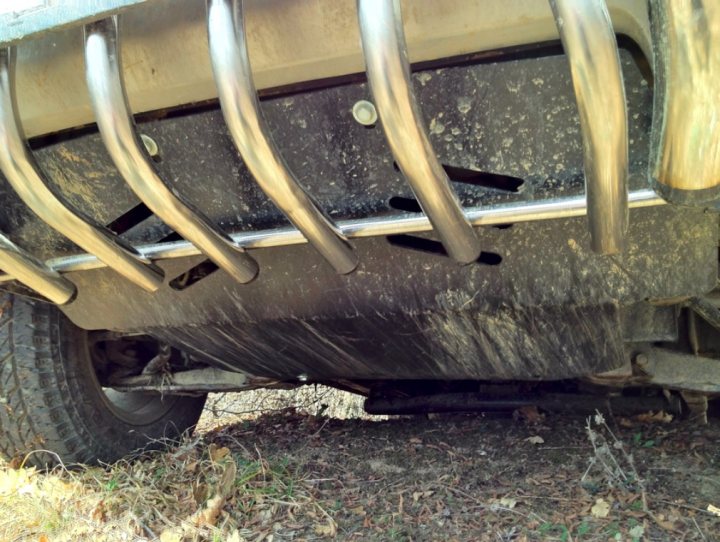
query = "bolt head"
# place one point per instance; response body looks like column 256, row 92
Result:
column 364, row 112
column 641, row 360
column 150, row 145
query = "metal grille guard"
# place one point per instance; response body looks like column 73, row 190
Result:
column 589, row 41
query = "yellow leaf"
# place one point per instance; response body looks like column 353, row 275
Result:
column 326, row 529
column 216, row 454
column 713, row 510
column 600, row 509
column 508, row 502
column 171, row 535
column 359, row 510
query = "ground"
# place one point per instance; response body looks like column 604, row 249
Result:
column 295, row 473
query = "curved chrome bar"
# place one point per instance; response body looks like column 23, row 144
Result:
column 34, row 274
column 685, row 160
column 550, row 209
column 23, row 173
column 388, row 71
column 589, row 41
column 241, row 109
column 103, row 72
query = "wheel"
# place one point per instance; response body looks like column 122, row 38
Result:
column 51, row 398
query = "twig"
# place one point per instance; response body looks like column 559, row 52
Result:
column 699, row 529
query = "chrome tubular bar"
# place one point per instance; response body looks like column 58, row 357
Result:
column 388, row 71
column 241, row 110
column 103, row 72
column 34, row 274
column 22, row 172
column 371, row 227
column 589, row 41
column 685, row 143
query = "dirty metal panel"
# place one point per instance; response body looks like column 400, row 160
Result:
column 516, row 117
column 407, row 307
column 538, row 294
column 510, row 342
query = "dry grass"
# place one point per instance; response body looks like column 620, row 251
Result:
column 292, row 474
column 224, row 408
column 176, row 495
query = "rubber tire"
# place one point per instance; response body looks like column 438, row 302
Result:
column 51, row 400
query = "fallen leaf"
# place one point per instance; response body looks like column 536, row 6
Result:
column 98, row 514
column 208, row 515
column 235, row 537
column 417, row 495
column 637, row 532
column 171, row 535
column 507, row 502
column 328, row 529
column 529, row 413
column 535, row 440
column 216, row 453
column 600, row 509
column 359, row 510
column 227, row 482
column 654, row 417
column 713, row 510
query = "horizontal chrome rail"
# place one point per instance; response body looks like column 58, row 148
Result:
column 589, row 42
column 388, row 71
column 22, row 172
column 371, row 227
column 241, row 110
column 103, row 72
column 21, row 265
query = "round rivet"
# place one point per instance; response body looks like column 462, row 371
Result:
column 365, row 113
column 150, row 146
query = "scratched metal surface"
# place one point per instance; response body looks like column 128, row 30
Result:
column 550, row 309
column 515, row 117
column 546, row 296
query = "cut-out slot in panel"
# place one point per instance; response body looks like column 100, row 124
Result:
column 409, row 205
column 130, row 219
column 193, row 275
column 171, row 237
column 485, row 179
column 421, row 244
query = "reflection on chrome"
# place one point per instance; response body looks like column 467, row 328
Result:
column 34, row 274
column 388, row 71
column 241, row 109
column 372, row 227
column 589, row 42
column 685, row 165
column 22, row 172
column 103, row 72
